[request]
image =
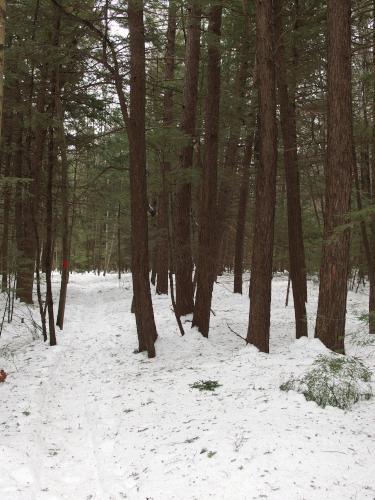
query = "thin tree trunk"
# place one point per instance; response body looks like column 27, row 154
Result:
column 297, row 265
column 330, row 321
column 2, row 42
column 206, row 268
column 65, row 211
column 119, row 258
column 230, row 161
column 184, row 264
column 7, row 196
column 261, row 267
column 24, row 229
column 364, row 233
column 241, row 213
column 372, row 223
column 49, row 230
column 163, row 251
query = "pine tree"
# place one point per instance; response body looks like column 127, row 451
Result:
column 261, row 265
column 334, row 268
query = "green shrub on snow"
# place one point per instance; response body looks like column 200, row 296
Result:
column 333, row 380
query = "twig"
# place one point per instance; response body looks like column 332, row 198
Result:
column 233, row 331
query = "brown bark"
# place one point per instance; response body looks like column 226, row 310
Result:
column 364, row 232
column 330, row 321
column 49, row 231
column 241, row 213
column 119, row 256
column 230, row 161
column 54, row 112
column 2, row 42
column 206, row 268
column 372, row 222
column 24, row 229
column 7, row 196
column 163, row 214
column 65, row 211
column 138, row 186
column 297, row 265
column 364, row 196
column 261, row 267
column 184, row 265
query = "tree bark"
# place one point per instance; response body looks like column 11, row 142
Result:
column 7, row 197
column 330, row 321
column 206, row 268
column 261, row 267
column 2, row 43
column 182, row 232
column 372, row 223
column 138, row 186
column 119, row 256
column 230, row 161
column 241, row 213
column 65, row 210
column 297, row 265
column 163, row 214
column 49, row 243
column 24, row 229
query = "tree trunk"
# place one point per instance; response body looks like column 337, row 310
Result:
column 2, row 42
column 372, row 223
column 119, row 257
column 330, row 321
column 163, row 226
column 49, row 249
column 138, row 186
column 297, row 265
column 184, row 265
column 7, row 197
column 65, row 211
column 230, row 161
column 206, row 268
column 241, row 213
column 261, row 267
column 24, row 229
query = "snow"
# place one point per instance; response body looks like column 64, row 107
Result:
column 91, row 420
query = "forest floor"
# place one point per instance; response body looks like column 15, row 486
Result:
column 90, row 420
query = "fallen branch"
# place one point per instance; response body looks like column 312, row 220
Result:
column 233, row 331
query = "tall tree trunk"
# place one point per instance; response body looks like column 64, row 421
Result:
column 182, row 232
column 330, row 321
column 372, row 223
column 54, row 111
column 49, row 250
column 7, row 196
column 206, row 269
column 163, row 215
column 261, row 267
column 65, row 210
column 2, row 42
column 297, row 265
column 366, row 240
column 241, row 213
column 138, row 186
column 230, row 161
column 24, row 229
column 119, row 257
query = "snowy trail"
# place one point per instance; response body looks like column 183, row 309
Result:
column 65, row 425
column 90, row 420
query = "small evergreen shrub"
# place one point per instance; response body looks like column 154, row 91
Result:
column 205, row 385
column 333, row 380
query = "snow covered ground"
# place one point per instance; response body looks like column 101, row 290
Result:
column 90, row 420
